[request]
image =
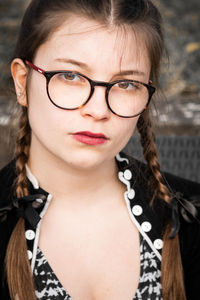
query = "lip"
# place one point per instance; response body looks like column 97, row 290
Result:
column 90, row 138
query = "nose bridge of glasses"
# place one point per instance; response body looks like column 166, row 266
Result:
column 100, row 83
column 104, row 84
column 107, row 85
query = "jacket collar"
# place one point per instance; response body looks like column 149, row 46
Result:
column 146, row 219
column 150, row 220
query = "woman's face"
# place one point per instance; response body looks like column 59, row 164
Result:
column 102, row 54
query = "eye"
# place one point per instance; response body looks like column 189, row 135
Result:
column 71, row 76
column 126, row 85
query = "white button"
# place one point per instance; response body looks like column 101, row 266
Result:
column 127, row 174
column 39, row 201
column 30, row 254
column 146, row 226
column 131, row 194
column 137, row 210
column 158, row 244
column 30, row 235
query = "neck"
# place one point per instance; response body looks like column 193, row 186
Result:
column 66, row 181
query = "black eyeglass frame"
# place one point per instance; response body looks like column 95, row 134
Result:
column 49, row 74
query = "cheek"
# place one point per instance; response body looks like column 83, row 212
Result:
column 124, row 132
column 45, row 119
column 128, row 126
column 48, row 123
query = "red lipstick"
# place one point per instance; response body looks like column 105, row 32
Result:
column 90, row 138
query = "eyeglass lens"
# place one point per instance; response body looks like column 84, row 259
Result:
column 69, row 90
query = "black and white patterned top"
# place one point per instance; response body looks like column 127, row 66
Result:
column 48, row 286
column 143, row 217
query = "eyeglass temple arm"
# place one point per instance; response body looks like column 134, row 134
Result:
column 43, row 72
column 34, row 67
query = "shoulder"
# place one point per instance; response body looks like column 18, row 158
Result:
column 188, row 215
column 187, row 187
column 189, row 202
column 189, row 233
column 7, row 178
column 175, row 184
column 186, row 195
column 8, row 218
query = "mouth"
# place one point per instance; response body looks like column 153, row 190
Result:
column 90, row 138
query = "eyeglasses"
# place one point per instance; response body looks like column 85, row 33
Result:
column 71, row 90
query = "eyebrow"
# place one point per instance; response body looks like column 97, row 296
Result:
column 85, row 66
column 73, row 62
column 131, row 72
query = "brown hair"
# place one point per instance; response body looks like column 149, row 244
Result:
column 41, row 19
column 171, row 268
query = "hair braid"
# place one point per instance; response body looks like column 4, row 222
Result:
column 22, row 153
column 171, row 269
column 151, row 156
column 16, row 255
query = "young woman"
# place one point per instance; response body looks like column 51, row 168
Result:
column 80, row 219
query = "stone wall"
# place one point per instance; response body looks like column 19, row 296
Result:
column 178, row 112
column 180, row 78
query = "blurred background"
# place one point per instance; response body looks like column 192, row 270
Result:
column 177, row 113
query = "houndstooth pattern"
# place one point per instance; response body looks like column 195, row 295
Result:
column 48, row 286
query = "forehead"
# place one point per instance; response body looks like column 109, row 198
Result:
column 100, row 47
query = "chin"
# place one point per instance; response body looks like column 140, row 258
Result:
column 86, row 159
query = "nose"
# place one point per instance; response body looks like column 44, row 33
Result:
column 97, row 107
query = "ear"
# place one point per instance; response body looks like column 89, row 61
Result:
column 19, row 73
